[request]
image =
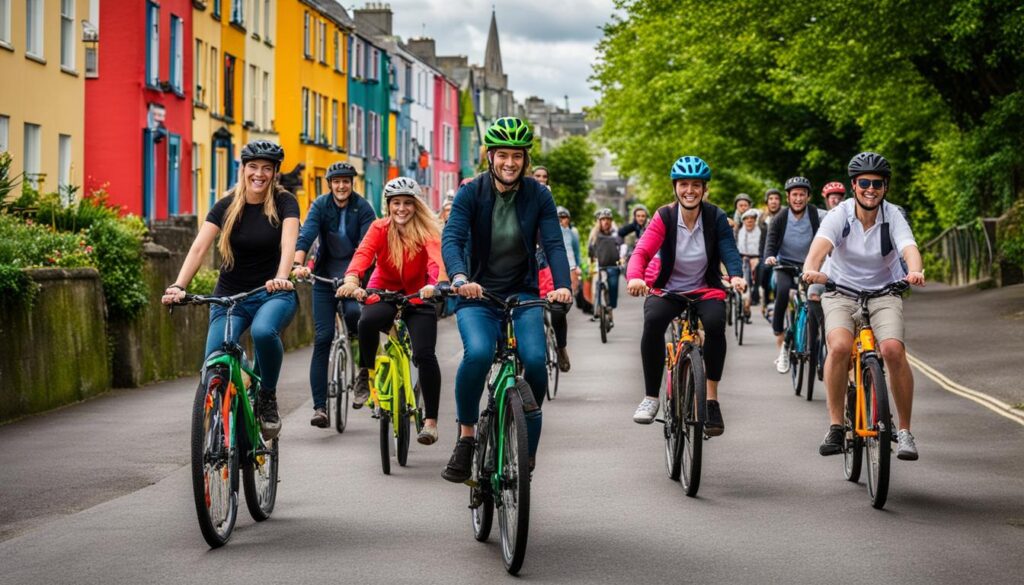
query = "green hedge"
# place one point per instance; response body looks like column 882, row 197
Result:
column 1010, row 236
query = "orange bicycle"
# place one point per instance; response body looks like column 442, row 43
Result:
column 867, row 417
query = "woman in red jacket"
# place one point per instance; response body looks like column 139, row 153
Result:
column 406, row 246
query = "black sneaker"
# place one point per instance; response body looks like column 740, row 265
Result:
column 714, row 426
column 362, row 391
column 270, row 420
column 834, row 441
column 320, row 418
column 460, row 466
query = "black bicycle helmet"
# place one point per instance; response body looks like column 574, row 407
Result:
column 794, row 182
column 869, row 163
column 262, row 150
column 770, row 192
column 340, row 169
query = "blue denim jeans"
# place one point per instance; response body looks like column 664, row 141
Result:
column 613, row 287
column 267, row 315
column 325, row 307
column 480, row 328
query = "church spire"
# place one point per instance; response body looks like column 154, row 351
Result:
column 492, row 56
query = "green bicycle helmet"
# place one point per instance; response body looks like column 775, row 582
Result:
column 508, row 132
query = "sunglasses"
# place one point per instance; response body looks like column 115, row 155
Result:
column 875, row 184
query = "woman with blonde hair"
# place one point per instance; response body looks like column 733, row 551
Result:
column 406, row 247
column 258, row 223
column 605, row 248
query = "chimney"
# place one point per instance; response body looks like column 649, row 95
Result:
column 374, row 19
column 425, row 49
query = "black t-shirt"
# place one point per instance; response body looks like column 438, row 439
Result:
column 255, row 243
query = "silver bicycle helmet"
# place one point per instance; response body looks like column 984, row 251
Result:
column 401, row 186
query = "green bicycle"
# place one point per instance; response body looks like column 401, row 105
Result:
column 501, row 468
column 394, row 392
column 226, row 436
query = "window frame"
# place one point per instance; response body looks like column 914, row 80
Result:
column 35, row 160
column 5, row 133
column 230, row 62
column 307, row 40
column 5, row 23
column 65, row 153
column 176, row 68
column 305, row 113
column 35, row 40
column 67, row 36
column 152, row 45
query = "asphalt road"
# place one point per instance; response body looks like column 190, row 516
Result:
column 100, row 492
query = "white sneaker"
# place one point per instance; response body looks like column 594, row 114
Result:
column 782, row 362
column 646, row 412
column 906, row 449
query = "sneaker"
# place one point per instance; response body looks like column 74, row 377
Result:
column 835, row 441
column 427, row 436
column 460, row 466
column 563, row 359
column 714, row 426
column 782, row 362
column 270, row 420
column 362, row 391
column 907, row 449
column 646, row 411
column 320, row 418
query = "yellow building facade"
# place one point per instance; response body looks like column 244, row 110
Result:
column 42, row 95
column 311, row 90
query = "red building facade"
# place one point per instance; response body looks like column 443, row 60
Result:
column 138, row 109
column 445, row 151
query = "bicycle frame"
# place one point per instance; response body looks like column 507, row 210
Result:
column 685, row 338
column 388, row 380
column 503, row 381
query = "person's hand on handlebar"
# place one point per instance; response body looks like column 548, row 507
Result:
column 814, row 277
column 637, row 287
column 276, row 284
column 560, row 295
column 348, row 289
column 427, row 291
column 300, row 271
column 771, row 261
column 467, row 290
column 173, row 295
column 738, row 283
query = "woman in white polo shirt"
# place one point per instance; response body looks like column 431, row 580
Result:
column 866, row 237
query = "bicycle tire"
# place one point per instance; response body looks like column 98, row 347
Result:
column 402, row 416
column 259, row 481
column 811, row 353
column 208, row 430
column 822, row 353
column 740, row 325
column 385, row 441
column 417, row 413
column 690, row 371
column 730, row 303
column 853, row 452
column 514, row 505
column 674, row 422
column 342, row 384
column 878, row 448
column 553, row 370
column 481, row 499
column 604, row 313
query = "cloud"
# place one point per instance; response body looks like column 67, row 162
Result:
column 547, row 47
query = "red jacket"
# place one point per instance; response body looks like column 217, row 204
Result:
column 418, row 270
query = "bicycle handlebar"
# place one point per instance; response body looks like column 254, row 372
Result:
column 511, row 303
column 893, row 288
column 222, row 301
column 335, row 282
column 789, row 269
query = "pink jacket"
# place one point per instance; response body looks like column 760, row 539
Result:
column 645, row 263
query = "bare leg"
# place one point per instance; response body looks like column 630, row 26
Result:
column 901, row 379
column 837, row 366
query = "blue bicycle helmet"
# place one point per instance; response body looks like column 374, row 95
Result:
column 691, row 167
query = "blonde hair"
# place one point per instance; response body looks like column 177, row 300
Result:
column 594, row 231
column 234, row 214
column 423, row 226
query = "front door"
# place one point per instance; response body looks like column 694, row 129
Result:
column 173, row 173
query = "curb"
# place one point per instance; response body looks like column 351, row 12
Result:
column 994, row 404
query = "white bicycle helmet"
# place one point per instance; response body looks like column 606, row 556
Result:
column 401, row 186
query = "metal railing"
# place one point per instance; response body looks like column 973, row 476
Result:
column 965, row 252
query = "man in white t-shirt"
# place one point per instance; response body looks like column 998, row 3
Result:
column 866, row 237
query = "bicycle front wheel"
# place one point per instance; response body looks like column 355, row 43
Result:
column 514, row 506
column 675, row 424
column 690, row 372
column 481, row 498
column 740, row 324
column 402, row 418
column 604, row 314
column 552, row 353
column 879, row 447
column 385, row 441
column 214, row 457
column 340, row 384
column 853, row 453
column 811, row 354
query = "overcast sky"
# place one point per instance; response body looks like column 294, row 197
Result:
column 547, row 46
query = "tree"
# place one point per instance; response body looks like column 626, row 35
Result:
column 570, row 165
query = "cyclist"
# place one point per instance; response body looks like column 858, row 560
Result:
column 773, row 203
column 866, row 237
column 559, row 321
column 405, row 248
column 833, row 193
column 503, row 213
column 741, row 204
column 639, row 223
column 747, row 241
column 338, row 219
column 682, row 252
column 541, row 175
column 603, row 247
column 258, row 223
column 789, row 237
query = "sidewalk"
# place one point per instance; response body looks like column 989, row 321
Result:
column 976, row 338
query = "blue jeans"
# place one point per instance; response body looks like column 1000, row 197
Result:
column 613, row 287
column 267, row 315
column 480, row 328
column 325, row 307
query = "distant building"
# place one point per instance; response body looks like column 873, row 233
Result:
column 553, row 123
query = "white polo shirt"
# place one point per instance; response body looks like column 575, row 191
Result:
column 691, row 257
column 856, row 260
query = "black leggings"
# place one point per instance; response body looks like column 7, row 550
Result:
column 764, row 282
column 560, row 323
column 422, row 324
column 658, row 315
column 783, row 284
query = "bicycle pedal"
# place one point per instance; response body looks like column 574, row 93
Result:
column 473, row 484
column 661, row 420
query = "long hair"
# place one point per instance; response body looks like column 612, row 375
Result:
column 596, row 230
column 422, row 227
column 234, row 214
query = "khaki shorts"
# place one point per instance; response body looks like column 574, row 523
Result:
column 886, row 315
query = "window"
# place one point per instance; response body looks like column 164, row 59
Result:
column 229, row 86
column 214, row 71
column 63, row 160
column 198, row 72
column 238, row 12
column 266, row 20
column 374, row 72
column 197, row 169
column 307, row 42
column 5, row 22
column 67, row 34
column 250, row 105
column 5, row 127
column 216, row 9
column 356, row 130
column 34, row 28
column 256, row 16
column 152, row 45
column 334, row 123
column 323, row 43
column 337, row 51
column 305, row 112
column 177, row 54
column 357, row 59
column 265, row 103
column 31, row 156
column 317, row 119
column 373, row 134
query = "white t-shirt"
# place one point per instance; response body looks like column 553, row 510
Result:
column 691, row 257
column 856, row 260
